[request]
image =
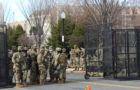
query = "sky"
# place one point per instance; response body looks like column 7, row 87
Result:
column 13, row 7
column 15, row 11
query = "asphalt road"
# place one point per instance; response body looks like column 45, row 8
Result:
column 77, row 82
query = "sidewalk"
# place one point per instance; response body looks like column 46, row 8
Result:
column 71, row 71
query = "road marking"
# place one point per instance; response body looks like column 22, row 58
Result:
column 103, row 84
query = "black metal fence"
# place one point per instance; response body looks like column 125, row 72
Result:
column 125, row 53
column 116, row 53
column 92, row 41
column 3, row 56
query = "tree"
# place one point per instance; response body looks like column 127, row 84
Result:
column 104, row 11
column 13, row 35
column 77, row 36
column 72, row 32
column 25, row 41
column 37, row 13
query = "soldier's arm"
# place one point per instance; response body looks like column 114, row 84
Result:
column 39, row 59
column 14, row 58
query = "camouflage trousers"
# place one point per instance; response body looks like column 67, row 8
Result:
column 24, row 75
column 51, row 72
column 43, row 73
column 72, row 62
column 17, row 73
column 20, row 76
column 82, row 62
column 62, row 73
column 34, row 72
column 76, row 62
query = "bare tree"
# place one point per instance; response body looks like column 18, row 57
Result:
column 25, row 41
column 37, row 13
column 4, row 12
column 104, row 11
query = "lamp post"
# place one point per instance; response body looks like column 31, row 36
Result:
column 63, row 16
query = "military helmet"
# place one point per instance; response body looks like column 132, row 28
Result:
column 75, row 46
column 13, row 47
column 64, row 50
column 33, row 47
column 50, row 47
column 25, row 48
column 42, row 47
column 42, row 50
column 46, row 49
column 58, row 49
column 20, row 48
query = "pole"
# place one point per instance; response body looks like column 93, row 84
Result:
column 63, row 38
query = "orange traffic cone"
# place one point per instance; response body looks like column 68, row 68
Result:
column 88, row 88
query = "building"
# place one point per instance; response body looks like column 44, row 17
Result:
column 14, row 24
column 129, row 18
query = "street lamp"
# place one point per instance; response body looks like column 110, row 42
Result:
column 63, row 16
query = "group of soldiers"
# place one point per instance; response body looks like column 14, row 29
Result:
column 77, row 58
column 28, row 63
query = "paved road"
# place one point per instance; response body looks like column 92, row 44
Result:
column 77, row 82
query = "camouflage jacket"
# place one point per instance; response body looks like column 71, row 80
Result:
column 41, row 61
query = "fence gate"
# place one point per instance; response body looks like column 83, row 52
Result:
column 98, row 46
column 116, row 53
column 3, row 56
column 126, row 53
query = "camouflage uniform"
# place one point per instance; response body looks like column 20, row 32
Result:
column 63, row 65
column 76, row 57
column 46, row 59
column 42, row 66
column 24, row 66
column 82, row 54
column 50, row 63
column 34, row 71
column 56, row 66
column 72, row 58
column 10, row 64
column 18, row 60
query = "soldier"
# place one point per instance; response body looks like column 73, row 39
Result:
column 100, row 52
column 24, row 66
column 63, row 65
column 46, row 59
column 72, row 58
column 50, row 60
column 28, row 63
column 76, row 57
column 18, row 60
column 28, row 58
column 34, row 71
column 42, row 66
column 82, row 54
column 56, row 65
column 10, row 64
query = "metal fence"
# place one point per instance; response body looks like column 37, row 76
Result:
column 116, row 53
column 125, row 53
column 93, row 47
column 3, row 56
